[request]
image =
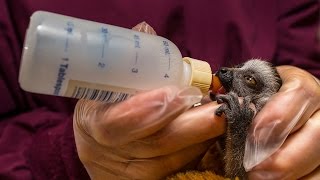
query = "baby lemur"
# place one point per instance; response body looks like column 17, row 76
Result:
column 256, row 81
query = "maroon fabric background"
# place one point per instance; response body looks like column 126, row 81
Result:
column 36, row 136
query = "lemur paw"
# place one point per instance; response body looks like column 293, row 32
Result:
column 232, row 108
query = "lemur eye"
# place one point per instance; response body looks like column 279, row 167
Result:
column 250, row 80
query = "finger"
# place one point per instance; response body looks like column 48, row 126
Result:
column 287, row 109
column 162, row 166
column 144, row 27
column 192, row 127
column 141, row 115
column 149, row 168
column 298, row 156
column 304, row 85
column 291, row 107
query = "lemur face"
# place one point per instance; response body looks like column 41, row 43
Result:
column 251, row 78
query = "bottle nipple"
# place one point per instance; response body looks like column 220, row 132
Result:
column 216, row 86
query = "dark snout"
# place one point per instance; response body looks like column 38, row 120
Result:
column 226, row 76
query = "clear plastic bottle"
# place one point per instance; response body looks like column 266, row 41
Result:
column 66, row 56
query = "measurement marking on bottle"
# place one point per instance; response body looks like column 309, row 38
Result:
column 62, row 73
column 136, row 59
column 168, row 54
column 102, row 54
column 69, row 29
column 135, row 69
column 66, row 45
column 104, row 32
column 104, row 38
column 101, row 64
column 136, row 39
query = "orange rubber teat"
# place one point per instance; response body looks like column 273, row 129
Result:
column 215, row 84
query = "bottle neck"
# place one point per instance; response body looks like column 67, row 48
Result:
column 187, row 73
column 198, row 73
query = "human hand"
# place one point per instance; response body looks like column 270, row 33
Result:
column 149, row 136
column 289, row 127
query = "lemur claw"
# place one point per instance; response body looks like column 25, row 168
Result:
column 232, row 108
column 220, row 110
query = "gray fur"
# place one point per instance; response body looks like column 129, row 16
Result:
column 239, row 116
